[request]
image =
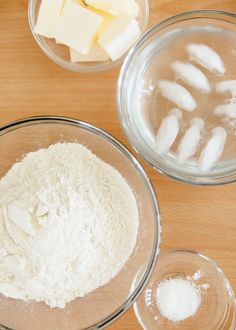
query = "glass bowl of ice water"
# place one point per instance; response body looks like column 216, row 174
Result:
column 176, row 97
column 61, row 54
column 187, row 290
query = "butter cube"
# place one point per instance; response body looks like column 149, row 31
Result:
column 119, row 36
column 96, row 54
column 49, row 11
column 107, row 19
column 131, row 8
column 116, row 7
column 104, row 5
column 76, row 27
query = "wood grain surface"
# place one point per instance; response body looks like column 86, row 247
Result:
column 199, row 218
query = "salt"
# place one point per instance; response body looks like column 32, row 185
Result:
column 177, row 299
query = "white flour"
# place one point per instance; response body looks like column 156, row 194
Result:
column 68, row 224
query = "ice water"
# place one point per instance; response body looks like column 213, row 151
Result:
column 153, row 107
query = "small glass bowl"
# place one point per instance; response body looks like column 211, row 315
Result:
column 217, row 309
column 102, row 306
column 141, row 108
column 60, row 53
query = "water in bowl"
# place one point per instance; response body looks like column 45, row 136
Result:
column 151, row 107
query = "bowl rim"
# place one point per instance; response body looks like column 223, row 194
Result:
column 80, row 67
column 124, row 72
column 37, row 120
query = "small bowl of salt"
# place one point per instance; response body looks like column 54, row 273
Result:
column 187, row 291
column 176, row 97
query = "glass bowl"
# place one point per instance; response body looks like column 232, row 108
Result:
column 60, row 54
column 217, row 309
column 104, row 305
column 141, row 107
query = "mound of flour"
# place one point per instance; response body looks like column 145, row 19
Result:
column 68, row 224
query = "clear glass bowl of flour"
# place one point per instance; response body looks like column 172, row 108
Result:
column 187, row 291
column 104, row 305
column 142, row 107
column 60, row 54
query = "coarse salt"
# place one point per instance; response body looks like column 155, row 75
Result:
column 177, row 299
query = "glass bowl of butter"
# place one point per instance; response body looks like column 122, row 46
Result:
column 89, row 35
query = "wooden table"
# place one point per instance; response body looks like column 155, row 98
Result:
column 30, row 84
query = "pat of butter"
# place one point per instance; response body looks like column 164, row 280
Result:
column 96, row 54
column 131, row 8
column 107, row 19
column 104, row 5
column 49, row 11
column 76, row 27
column 116, row 7
column 119, row 36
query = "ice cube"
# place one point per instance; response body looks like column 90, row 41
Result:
column 206, row 57
column 168, row 131
column 213, row 149
column 177, row 94
column 191, row 75
column 190, row 141
column 226, row 86
column 228, row 110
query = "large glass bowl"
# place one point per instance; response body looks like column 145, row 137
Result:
column 104, row 305
column 60, row 54
column 141, row 108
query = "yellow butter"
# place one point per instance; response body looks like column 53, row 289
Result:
column 119, row 36
column 49, row 11
column 96, row 54
column 77, row 27
column 116, row 7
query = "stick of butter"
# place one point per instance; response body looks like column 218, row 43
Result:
column 119, row 36
column 107, row 19
column 116, row 7
column 49, row 11
column 76, row 27
column 104, row 5
column 96, row 54
column 131, row 8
